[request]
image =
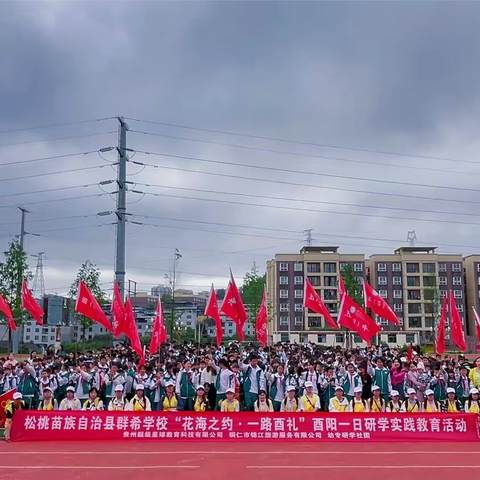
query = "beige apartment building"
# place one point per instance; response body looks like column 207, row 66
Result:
column 413, row 280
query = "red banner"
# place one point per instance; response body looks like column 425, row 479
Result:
column 101, row 426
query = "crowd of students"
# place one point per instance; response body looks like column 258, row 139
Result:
column 284, row 377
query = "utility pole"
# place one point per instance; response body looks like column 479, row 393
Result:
column 121, row 206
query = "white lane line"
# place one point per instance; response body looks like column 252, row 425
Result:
column 362, row 467
column 246, row 452
column 83, row 467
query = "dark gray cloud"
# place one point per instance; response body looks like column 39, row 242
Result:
column 393, row 76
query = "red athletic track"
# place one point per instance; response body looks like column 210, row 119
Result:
column 237, row 460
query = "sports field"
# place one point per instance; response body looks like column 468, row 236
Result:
column 237, row 460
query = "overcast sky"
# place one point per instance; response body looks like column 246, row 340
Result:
column 380, row 76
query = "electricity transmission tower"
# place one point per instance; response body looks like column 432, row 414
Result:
column 39, row 280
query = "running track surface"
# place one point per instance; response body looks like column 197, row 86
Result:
column 237, row 460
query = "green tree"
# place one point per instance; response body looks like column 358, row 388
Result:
column 252, row 291
column 352, row 284
column 13, row 271
column 89, row 273
column 172, row 314
column 433, row 302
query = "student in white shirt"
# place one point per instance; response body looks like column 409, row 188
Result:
column 291, row 403
column 263, row 404
column 70, row 402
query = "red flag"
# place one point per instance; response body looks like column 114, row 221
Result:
column 378, row 305
column 312, row 301
column 353, row 317
column 131, row 329
column 3, row 402
column 233, row 307
column 456, row 326
column 88, row 306
column 29, row 304
column 211, row 310
column 440, row 346
column 341, row 287
column 118, row 312
column 477, row 324
column 261, row 323
column 410, row 353
column 158, row 333
column 5, row 309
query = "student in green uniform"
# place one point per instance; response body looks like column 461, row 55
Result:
column 185, row 387
column 28, row 386
column 254, row 381
column 381, row 378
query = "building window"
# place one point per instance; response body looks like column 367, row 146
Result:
column 299, row 307
column 382, row 321
column 321, row 338
column 37, row 337
column 382, row 293
column 397, row 294
column 457, row 267
column 284, row 321
column 329, row 294
column 332, row 307
column 284, row 267
column 414, row 308
column 298, row 293
column 358, row 267
column 443, row 293
column 428, row 268
column 413, row 268
column 397, row 267
column 382, row 280
column 457, row 280
column 397, row 280
column 442, row 267
column 330, row 267
column 397, row 307
column 189, row 316
column 283, row 280
column 283, row 293
column 413, row 281
column 27, row 338
column 284, row 307
column 460, row 307
column 313, row 268
column 298, row 321
column 430, row 281
column 356, row 338
column 315, row 281
column 339, row 338
column 442, row 281
column 284, row 337
column 298, row 280
column 428, row 308
column 28, row 328
column 392, row 338
column 330, row 281
column 415, row 322
column 410, row 338
column 314, row 322
column 414, row 295
column 458, row 294
column 298, row 267
column 382, row 267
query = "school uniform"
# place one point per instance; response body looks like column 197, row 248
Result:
column 288, row 405
column 139, row 405
column 338, row 406
column 314, row 377
column 28, row 387
column 200, row 405
column 48, row 405
column 277, row 390
column 439, row 387
column 110, row 383
column 63, row 379
column 254, row 381
column 157, row 391
column 7, row 383
column 358, row 405
column 233, row 406
column 143, row 380
column 411, row 407
column 309, row 404
column 224, row 380
column 50, row 382
column 82, row 383
column 328, row 391
column 349, row 382
column 452, row 407
column 74, row 404
column 168, row 404
column 90, row 405
column 381, row 378
column 266, row 406
column 185, row 389
column 117, row 405
column 462, row 389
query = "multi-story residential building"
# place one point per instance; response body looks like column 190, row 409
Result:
column 471, row 265
column 285, row 284
column 414, row 281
